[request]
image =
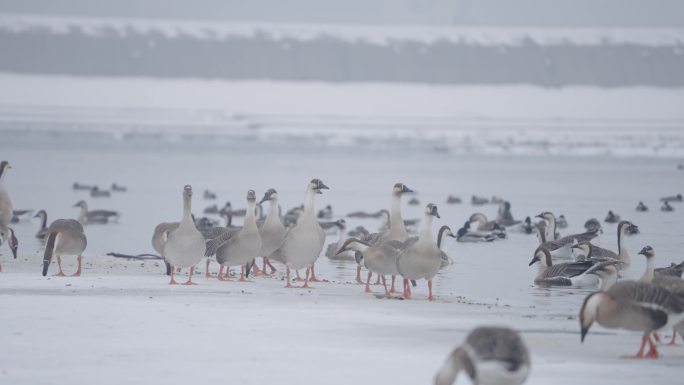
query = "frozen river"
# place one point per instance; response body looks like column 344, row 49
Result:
column 121, row 323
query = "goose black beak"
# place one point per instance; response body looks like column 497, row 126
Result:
column 584, row 333
column 46, row 266
column 534, row 260
column 405, row 189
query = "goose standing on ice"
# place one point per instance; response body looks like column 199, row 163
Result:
column 6, row 213
column 672, row 283
column 304, row 241
column 185, row 245
column 420, row 258
column 86, row 217
column 239, row 246
column 159, row 238
column 379, row 258
column 42, row 232
column 635, row 306
column 65, row 237
column 562, row 274
column 490, row 356
column 272, row 230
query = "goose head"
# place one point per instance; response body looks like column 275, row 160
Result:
column 82, row 204
column 352, row 244
column 270, row 195
column 187, row 191
column 625, row 226
column 547, row 215
column 431, row 210
column 42, row 214
column 317, row 185
column 4, row 166
column 647, row 251
column 400, row 188
column 341, row 224
column 251, row 197
column 543, row 256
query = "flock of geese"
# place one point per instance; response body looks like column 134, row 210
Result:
column 489, row 355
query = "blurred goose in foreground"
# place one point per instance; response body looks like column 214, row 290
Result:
column 420, row 258
column 42, row 231
column 304, row 241
column 65, row 238
column 238, row 246
column 490, row 356
column 159, row 238
column 562, row 274
column 6, row 213
column 185, row 245
column 86, row 216
column 634, row 306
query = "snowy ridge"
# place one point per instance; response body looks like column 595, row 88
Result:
column 368, row 34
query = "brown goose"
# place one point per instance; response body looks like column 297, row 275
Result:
column 635, row 306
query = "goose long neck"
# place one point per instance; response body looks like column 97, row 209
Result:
column 397, row 227
column 250, row 216
column 552, row 228
column 43, row 223
column 439, row 238
column 426, row 228
column 608, row 281
column 623, row 254
column 83, row 215
column 648, row 273
column 273, row 209
column 309, row 202
column 187, row 209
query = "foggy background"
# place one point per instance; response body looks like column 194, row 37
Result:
column 607, row 43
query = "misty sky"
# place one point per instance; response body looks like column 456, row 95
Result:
column 557, row 13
